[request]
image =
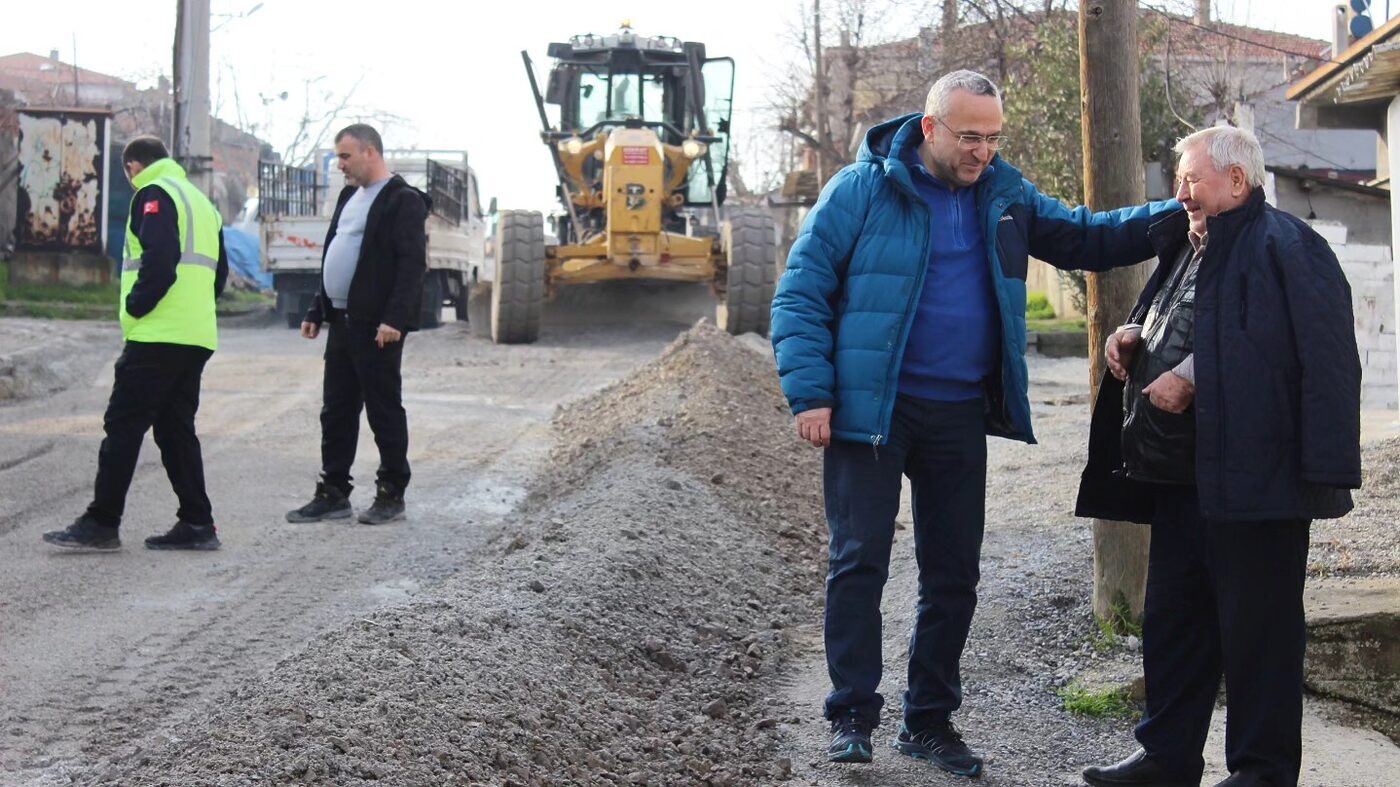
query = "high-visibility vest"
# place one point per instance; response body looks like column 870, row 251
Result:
column 185, row 315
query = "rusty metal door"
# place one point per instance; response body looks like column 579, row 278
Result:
column 62, row 179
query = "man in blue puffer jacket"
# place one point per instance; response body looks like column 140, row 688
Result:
column 900, row 335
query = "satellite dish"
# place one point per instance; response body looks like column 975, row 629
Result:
column 1360, row 26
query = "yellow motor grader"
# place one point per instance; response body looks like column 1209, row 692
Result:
column 642, row 152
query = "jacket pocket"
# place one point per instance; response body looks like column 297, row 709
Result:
column 1012, row 248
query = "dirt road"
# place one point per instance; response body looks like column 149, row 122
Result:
column 97, row 650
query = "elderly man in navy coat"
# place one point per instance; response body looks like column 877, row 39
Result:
column 1231, row 420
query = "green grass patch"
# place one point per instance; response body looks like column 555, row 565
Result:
column 1109, row 703
column 98, row 302
column 243, row 296
column 55, row 301
column 1038, row 307
column 1055, row 326
column 1119, row 623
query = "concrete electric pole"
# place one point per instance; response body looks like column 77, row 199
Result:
column 1113, row 177
column 191, row 138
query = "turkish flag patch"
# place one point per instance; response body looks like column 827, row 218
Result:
column 151, row 207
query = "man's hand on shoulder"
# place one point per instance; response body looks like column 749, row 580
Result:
column 1118, row 350
column 387, row 334
column 814, row 426
column 1170, row 392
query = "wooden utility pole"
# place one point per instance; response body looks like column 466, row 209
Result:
column 819, row 82
column 948, row 32
column 1113, row 178
column 192, row 124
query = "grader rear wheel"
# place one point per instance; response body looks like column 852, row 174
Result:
column 750, row 249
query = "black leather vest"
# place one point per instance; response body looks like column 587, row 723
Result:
column 1159, row 446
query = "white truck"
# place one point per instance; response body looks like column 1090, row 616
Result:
column 295, row 205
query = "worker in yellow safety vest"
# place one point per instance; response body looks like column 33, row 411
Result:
column 173, row 269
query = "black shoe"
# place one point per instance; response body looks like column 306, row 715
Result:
column 387, row 506
column 942, row 745
column 850, row 740
column 1138, row 770
column 328, row 503
column 186, row 536
column 84, row 533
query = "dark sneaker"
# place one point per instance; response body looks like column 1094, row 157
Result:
column 387, row 506
column 186, row 536
column 328, row 503
column 85, row 534
column 942, row 745
column 1138, row 770
column 850, row 739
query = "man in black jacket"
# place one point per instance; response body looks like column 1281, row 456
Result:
column 371, row 287
column 1241, row 389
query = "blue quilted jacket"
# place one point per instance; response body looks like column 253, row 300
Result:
column 844, row 307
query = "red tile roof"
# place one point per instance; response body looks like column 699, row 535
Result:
column 26, row 70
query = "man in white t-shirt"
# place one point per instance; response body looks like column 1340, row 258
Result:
column 371, row 290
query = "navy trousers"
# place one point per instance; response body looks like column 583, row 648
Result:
column 361, row 376
column 942, row 448
column 1224, row 598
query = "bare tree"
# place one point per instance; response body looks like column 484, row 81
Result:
column 853, row 68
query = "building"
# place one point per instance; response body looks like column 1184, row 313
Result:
column 33, row 81
column 1359, row 88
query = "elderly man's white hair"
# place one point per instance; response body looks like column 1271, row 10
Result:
column 941, row 93
column 1229, row 146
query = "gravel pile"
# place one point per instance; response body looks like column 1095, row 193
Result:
column 628, row 632
column 1366, row 542
column 41, row 357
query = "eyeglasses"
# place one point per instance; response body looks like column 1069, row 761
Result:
column 974, row 141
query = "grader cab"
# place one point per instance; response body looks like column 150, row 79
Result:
column 641, row 151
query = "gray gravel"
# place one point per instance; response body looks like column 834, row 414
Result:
column 651, row 615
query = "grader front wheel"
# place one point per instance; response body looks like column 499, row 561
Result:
column 517, row 294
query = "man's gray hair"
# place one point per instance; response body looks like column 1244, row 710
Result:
column 364, row 134
column 941, row 93
column 1229, row 146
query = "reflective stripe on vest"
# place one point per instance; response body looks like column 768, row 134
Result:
column 185, row 314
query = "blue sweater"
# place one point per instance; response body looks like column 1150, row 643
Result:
column 953, row 341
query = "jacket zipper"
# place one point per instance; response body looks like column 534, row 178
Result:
column 914, row 292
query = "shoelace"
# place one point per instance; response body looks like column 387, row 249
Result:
column 940, row 738
column 849, row 724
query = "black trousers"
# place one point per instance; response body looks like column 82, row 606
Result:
column 942, row 448
column 361, row 376
column 1224, row 598
column 157, row 389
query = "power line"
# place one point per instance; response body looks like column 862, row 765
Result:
column 1313, row 153
column 1170, row 17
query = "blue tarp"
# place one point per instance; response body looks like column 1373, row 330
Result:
column 244, row 259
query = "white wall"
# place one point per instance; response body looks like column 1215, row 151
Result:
column 1369, row 270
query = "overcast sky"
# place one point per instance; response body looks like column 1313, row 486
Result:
column 453, row 71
